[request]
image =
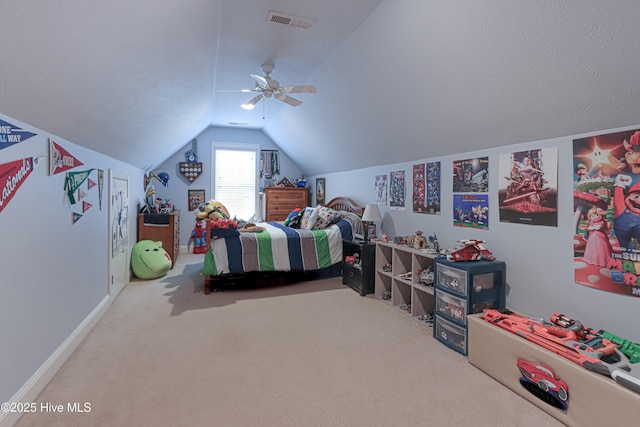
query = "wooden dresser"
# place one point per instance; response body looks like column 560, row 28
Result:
column 280, row 201
column 163, row 228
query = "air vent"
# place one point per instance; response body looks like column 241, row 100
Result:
column 290, row 20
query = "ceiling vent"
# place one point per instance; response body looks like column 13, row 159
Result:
column 290, row 20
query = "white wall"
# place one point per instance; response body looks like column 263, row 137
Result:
column 540, row 265
column 54, row 273
column 177, row 191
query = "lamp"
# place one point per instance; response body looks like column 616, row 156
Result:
column 371, row 214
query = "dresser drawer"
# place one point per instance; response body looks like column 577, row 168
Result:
column 287, row 196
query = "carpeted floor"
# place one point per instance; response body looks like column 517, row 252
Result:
column 306, row 354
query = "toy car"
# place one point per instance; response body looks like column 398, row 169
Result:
column 543, row 378
column 471, row 250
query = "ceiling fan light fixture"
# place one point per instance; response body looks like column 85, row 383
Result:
column 249, row 105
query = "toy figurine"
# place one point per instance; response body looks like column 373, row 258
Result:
column 419, row 241
column 471, row 250
column 199, row 238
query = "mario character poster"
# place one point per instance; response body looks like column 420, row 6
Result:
column 527, row 191
column 607, row 212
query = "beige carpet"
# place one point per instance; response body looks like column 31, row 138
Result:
column 307, row 354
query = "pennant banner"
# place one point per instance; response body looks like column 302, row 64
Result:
column 11, row 135
column 86, row 206
column 12, row 176
column 100, row 185
column 60, row 160
column 75, row 217
column 73, row 181
column 90, row 184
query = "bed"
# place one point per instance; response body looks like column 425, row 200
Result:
column 278, row 249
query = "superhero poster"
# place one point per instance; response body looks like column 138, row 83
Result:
column 606, row 218
column 527, row 187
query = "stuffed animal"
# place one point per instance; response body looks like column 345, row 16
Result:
column 149, row 260
column 212, row 210
column 199, row 237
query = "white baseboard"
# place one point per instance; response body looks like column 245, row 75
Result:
column 31, row 389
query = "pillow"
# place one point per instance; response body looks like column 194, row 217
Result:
column 292, row 215
column 309, row 218
column 295, row 220
column 326, row 217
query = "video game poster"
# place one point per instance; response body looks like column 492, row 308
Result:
column 471, row 211
column 528, row 187
column 606, row 195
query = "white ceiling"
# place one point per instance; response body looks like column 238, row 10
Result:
column 397, row 79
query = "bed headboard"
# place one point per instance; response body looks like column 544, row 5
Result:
column 345, row 204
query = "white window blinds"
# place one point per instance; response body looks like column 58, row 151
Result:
column 236, row 179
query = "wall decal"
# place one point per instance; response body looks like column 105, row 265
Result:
column 12, row 176
column 11, row 135
column 59, row 159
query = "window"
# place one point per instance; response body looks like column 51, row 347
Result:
column 235, row 178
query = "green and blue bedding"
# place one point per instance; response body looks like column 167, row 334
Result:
column 277, row 248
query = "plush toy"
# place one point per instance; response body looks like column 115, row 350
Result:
column 149, row 260
column 212, row 210
column 199, row 237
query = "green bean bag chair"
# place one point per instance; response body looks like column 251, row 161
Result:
column 149, row 260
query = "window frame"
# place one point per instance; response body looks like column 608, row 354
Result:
column 236, row 146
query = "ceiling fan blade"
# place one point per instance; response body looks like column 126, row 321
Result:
column 249, row 105
column 287, row 99
column 261, row 80
column 299, row 89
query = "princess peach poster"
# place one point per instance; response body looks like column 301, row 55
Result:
column 606, row 196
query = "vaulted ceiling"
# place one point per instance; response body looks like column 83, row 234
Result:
column 396, row 79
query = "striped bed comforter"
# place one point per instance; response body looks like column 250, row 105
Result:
column 277, row 248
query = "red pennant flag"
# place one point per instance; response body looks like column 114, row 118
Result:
column 60, row 160
column 12, row 176
column 86, row 206
column 90, row 184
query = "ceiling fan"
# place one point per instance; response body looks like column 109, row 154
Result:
column 268, row 87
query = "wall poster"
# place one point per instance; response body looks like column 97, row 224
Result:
column 471, row 175
column 381, row 189
column 471, row 211
column 426, row 188
column 396, row 190
column 528, row 187
column 606, row 196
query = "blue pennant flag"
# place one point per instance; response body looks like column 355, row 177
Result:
column 11, row 135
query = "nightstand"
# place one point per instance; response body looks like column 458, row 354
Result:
column 359, row 275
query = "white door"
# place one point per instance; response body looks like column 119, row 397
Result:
column 119, row 258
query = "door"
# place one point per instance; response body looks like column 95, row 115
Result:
column 119, row 258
